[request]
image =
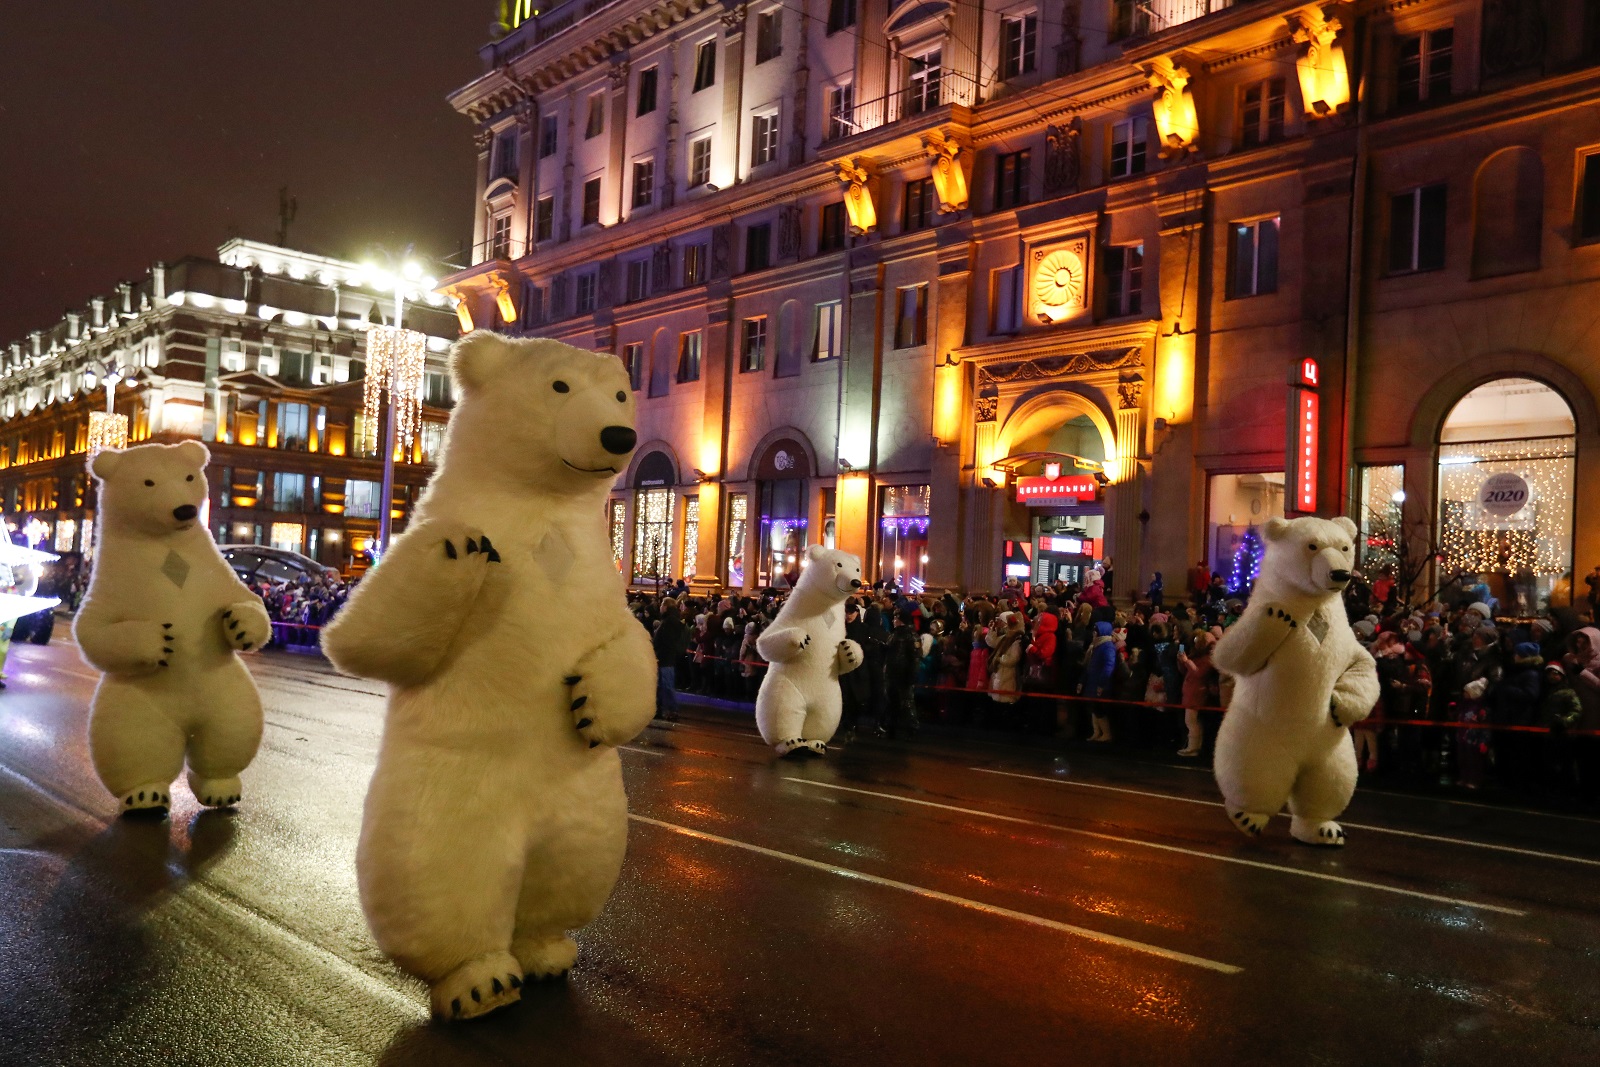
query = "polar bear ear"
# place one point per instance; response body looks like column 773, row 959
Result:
column 815, row 552
column 1344, row 523
column 478, row 359
column 106, row 463
column 1276, row 528
column 194, row 454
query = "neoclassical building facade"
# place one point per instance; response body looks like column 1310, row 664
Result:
column 1006, row 289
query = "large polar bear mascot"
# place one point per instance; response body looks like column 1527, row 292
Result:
column 1302, row 680
column 797, row 709
column 164, row 618
column 496, row 820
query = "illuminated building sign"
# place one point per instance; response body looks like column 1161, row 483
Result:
column 1075, row 489
column 1310, row 373
column 1305, row 443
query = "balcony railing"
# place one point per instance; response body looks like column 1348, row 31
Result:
column 951, row 88
column 1140, row 18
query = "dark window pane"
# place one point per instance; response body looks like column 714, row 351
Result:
column 1589, row 208
column 1402, row 231
column 1267, row 256
column 1430, row 230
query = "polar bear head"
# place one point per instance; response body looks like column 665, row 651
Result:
column 151, row 490
column 538, row 414
column 829, row 574
column 1309, row 556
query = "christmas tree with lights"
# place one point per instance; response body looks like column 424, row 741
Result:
column 1246, row 566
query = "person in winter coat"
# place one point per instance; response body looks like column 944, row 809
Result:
column 1516, row 703
column 1005, row 656
column 1156, row 592
column 1199, row 690
column 1389, row 652
column 1070, row 652
column 901, row 657
column 1042, row 650
column 1094, row 594
column 1559, row 711
column 1097, row 679
column 978, row 662
column 670, row 640
column 855, row 688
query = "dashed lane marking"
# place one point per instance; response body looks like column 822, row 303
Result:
column 1352, row 825
column 1239, row 860
column 948, row 898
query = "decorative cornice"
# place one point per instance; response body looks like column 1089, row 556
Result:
column 1045, row 368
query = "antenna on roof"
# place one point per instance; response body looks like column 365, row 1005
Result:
column 288, row 206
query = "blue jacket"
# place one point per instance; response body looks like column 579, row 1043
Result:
column 1102, row 665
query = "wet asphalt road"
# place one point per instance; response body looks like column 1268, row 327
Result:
column 950, row 904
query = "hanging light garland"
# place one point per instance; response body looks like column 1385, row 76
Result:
column 106, row 430
column 1536, row 539
column 396, row 361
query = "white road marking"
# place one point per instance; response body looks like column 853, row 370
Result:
column 69, row 670
column 1299, row 872
column 1352, row 825
column 948, row 898
column 641, row 751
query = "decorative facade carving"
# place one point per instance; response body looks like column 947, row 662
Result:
column 987, row 408
column 732, row 20
column 1063, row 156
column 1129, row 391
column 789, row 231
column 949, row 177
column 482, row 138
column 607, row 284
column 1069, row 53
column 661, row 267
column 1177, row 122
column 619, row 75
column 1059, row 283
column 1324, row 77
column 722, row 250
column 1048, row 367
column 857, row 197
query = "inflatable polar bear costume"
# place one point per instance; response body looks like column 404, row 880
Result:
column 797, row 708
column 1302, row 680
column 496, row 821
column 163, row 619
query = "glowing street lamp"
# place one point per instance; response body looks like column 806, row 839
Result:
column 396, row 358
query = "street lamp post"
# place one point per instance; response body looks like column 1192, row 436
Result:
column 395, row 357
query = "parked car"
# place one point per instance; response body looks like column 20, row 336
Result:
column 252, row 562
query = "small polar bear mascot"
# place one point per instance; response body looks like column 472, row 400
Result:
column 164, row 619
column 496, row 820
column 797, row 709
column 1302, row 680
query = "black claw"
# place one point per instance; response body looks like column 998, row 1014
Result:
column 493, row 556
column 580, row 702
column 233, row 624
column 573, row 679
column 483, row 543
column 477, row 999
column 168, row 625
column 248, row 645
column 455, row 1007
column 168, row 651
column 472, row 546
column 162, row 662
column 129, row 802
column 584, row 724
column 141, row 794
column 594, row 744
column 450, row 550
column 516, row 983
column 498, row 988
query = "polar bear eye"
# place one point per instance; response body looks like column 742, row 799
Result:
column 561, row 387
column 622, row 398
column 190, row 478
column 1312, row 546
column 149, row 483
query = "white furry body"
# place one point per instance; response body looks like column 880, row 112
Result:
column 799, row 699
column 1285, row 737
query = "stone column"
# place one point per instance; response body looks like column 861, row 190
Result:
column 481, row 140
column 568, row 170
column 950, row 408
column 528, row 171
column 617, row 157
column 728, row 159
column 1125, row 497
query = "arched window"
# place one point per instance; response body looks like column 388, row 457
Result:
column 782, row 503
column 653, row 480
column 1507, row 472
column 1507, row 213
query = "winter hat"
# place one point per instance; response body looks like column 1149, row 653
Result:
column 1555, row 665
column 1480, row 607
column 1365, row 628
column 1159, row 617
column 1475, row 689
column 1103, row 629
column 1526, row 650
column 1543, row 627
column 1414, row 636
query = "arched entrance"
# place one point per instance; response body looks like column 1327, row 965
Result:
column 781, row 478
column 1506, row 477
column 653, row 480
column 1055, row 524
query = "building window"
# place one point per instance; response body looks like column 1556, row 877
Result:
column 544, row 219
column 903, row 546
column 758, row 246
column 694, row 264
column 1253, row 258
column 1019, row 44
column 753, row 345
column 647, row 92
column 294, row 426
column 505, row 154
column 738, row 524
column 585, row 294
column 1261, row 111
column 922, row 81
column 841, row 15
column 288, row 492
column 619, row 531
column 633, row 363
column 763, row 138
column 769, row 35
column 830, row 229
column 1588, row 221
column 830, row 330
column 652, row 534
column 1124, row 268
column 644, row 181
column 1416, row 230
column 841, row 112
column 917, row 211
column 1127, row 148
column 705, row 65
column 288, row 536
column 689, row 356
column 1006, row 300
column 699, row 162
column 500, row 237
column 691, row 536
column 1426, row 61
column 361, row 499
column 549, row 136
column 1011, row 180
column 911, row 316
column 638, row 279
column 591, row 201
column 597, row 116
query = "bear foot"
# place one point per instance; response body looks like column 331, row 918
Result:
column 793, row 746
column 477, row 987
column 215, row 792
column 1323, row 834
column 816, row 748
column 548, row 957
column 1249, row 823
column 149, row 800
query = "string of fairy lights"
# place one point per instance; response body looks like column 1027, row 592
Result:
column 396, row 363
column 1536, row 539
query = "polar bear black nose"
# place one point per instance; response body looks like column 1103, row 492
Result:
column 1339, row 576
column 185, row 512
column 855, row 583
column 618, row 439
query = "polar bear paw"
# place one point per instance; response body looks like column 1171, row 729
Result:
column 1280, row 616
column 793, row 744
column 1249, row 823
column 549, row 957
column 1324, row 834
column 850, row 656
column 246, row 626
column 152, row 799
column 216, row 792
column 477, row 987
column 820, row 748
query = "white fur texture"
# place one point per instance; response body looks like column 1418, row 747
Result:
column 496, row 820
column 174, row 688
column 799, row 701
column 1286, row 734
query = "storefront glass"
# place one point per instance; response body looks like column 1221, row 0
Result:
column 652, row 535
column 691, row 535
column 903, row 544
column 1382, row 542
column 619, row 532
column 783, row 532
column 738, row 516
column 1240, row 504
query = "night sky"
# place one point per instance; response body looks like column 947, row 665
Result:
column 138, row 130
